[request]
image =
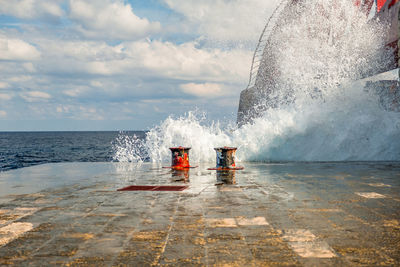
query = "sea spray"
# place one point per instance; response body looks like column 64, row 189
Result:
column 190, row 131
column 356, row 130
column 353, row 127
column 129, row 149
column 320, row 113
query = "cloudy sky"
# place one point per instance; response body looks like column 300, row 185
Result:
column 123, row 65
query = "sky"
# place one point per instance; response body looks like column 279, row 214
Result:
column 69, row 65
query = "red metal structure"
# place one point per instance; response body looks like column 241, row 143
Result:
column 180, row 158
column 381, row 3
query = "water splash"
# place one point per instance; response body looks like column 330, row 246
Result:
column 352, row 127
column 319, row 114
column 129, row 149
column 356, row 130
column 190, row 130
column 318, row 46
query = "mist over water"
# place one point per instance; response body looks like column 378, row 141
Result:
column 322, row 111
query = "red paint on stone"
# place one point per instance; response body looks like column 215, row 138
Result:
column 154, row 188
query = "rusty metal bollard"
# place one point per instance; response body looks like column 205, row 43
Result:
column 226, row 159
column 180, row 158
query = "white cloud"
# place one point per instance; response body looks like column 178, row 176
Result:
column 76, row 91
column 96, row 84
column 90, row 113
column 39, row 94
column 187, row 62
column 30, row 9
column 4, row 85
column 29, row 67
column 96, row 51
column 202, row 89
column 3, row 113
column 79, row 112
column 235, row 20
column 5, row 96
column 72, row 92
column 148, row 59
column 35, row 96
column 15, row 49
column 64, row 109
column 110, row 19
column 20, row 79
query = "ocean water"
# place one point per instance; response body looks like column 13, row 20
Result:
column 23, row 149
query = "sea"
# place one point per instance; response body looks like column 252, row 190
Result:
column 24, row 149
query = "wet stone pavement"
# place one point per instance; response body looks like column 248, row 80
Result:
column 265, row 215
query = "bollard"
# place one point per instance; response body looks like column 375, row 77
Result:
column 226, row 177
column 180, row 158
column 180, row 175
column 226, row 159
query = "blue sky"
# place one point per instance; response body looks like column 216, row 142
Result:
column 123, row 65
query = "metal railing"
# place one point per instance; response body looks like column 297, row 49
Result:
column 262, row 42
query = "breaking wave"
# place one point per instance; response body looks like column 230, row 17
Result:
column 321, row 115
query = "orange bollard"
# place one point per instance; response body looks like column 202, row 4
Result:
column 180, row 158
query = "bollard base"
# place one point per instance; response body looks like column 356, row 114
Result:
column 226, row 169
column 179, row 167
